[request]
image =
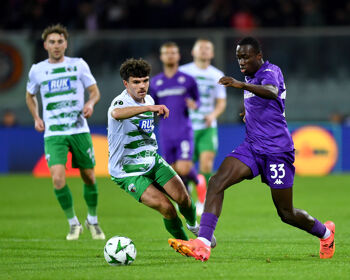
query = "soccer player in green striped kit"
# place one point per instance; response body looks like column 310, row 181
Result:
column 134, row 163
column 61, row 81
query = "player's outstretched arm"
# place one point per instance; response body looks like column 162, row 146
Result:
column 129, row 112
column 94, row 97
column 264, row 91
column 33, row 107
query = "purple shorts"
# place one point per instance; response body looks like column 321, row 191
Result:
column 176, row 149
column 276, row 170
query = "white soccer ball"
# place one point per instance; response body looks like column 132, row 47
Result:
column 119, row 250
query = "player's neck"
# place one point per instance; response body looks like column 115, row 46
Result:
column 170, row 71
column 202, row 64
column 58, row 60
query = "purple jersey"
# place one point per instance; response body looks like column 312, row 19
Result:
column 266, row 126
column 173, row 92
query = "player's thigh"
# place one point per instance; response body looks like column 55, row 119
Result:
column 177, row 190
column 83, row 155
column 230, row 172
column 56, row 150
column 154, row 198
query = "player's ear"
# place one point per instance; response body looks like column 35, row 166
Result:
column 259, row 55
column 45, row 45
column 125, row 83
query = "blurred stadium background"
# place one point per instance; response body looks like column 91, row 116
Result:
column 308, row 39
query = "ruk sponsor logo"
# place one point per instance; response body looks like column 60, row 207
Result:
column 146, row 125
column 59, row 85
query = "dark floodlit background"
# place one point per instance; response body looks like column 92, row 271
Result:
column 308, row 39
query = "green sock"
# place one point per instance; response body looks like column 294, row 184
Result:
column 207, row 177
column 65, row 199
column 189, row 214
column 175, row 228
column 90, row 195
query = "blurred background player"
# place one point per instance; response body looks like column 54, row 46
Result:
column 61, row 80
column 178, row 91
column 268, row 151
column 212, row 105
column 134, row 163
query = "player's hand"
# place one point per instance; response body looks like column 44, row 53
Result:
column 160, row 110
column 191, row 104
column 230, row 82
column 39, row 125
column 209, row 119
column 88, row 110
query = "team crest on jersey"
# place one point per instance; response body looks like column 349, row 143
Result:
column 147, row 125
column 118, row 102
column 59, row 85
column 159, row 83
column 181, row 79
column 132, row 188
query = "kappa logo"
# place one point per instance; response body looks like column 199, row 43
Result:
column 132, row 188
column 146, row 125
column 278, row 182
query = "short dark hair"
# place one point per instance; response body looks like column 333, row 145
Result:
column 57, row 28
column 137, row 68
column 250, row 41
column 169, row 44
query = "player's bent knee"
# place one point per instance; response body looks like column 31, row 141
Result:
column 58, row 182
column 286, row 216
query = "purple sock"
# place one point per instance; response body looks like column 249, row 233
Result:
column 318, row 229
column 192, row 175
column 207, row 225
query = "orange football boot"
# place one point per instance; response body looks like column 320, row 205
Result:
column 194, row 248
column 327, row 246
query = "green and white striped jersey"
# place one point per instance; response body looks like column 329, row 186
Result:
column 132, row 144
column 62, row 88
column 209, row 90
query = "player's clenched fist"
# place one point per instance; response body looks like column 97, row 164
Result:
column 160, row 109
column 230, row 82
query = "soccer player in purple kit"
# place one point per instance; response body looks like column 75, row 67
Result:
column 179, row 92
column 267, row 151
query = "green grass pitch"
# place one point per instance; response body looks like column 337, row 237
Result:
column 252, row 242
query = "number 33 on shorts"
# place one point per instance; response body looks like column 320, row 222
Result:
column 277, row 172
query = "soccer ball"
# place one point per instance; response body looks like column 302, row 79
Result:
column 119, row 250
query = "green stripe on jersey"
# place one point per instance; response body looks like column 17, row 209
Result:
column 61, row 127
column 52, row 94
column 58, row 70
column 61, row 104
column 140, row 143
column 130, row 168
column 138, row 133
column 143, row 154
column 72, row 114
column 72, row 78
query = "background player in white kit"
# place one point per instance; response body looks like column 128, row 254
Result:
column 61, row 81
column 212, row 105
